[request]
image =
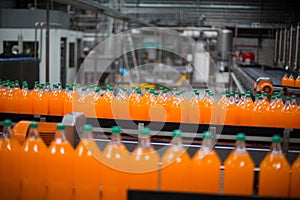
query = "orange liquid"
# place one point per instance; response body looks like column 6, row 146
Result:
column 259, row 114
column 98, row 107
column 291, row 81
column 295, row 179
column 284, row 81
column 158, row 112
column 60, row 171
column 40, row 102
column 115, row 169
column 175, row 113
column 144, row 168
column 68, row 101
column 107, row 100
column 205, row 168
column 238, row 174
column 274, row 176
column 231, row 117
column 56, row 103
column 9, row 169
column 121, row 108
column 11, row 104
column 87, row 184
column 136, row 108
column 272, row 116
column 297, row 82
column 175, row 168
column 33, row 169
column 246, row 113
column 27, row 102
column 194, row 110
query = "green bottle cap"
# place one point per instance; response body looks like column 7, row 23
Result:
column 177, row 133
column 97, row 89
column 47, row 83
column 288, row 98
column 279, row 95
column 145, row 131
column 227, row 95
column 276, row 139
column 161, row 88
column 152, row 90
column 147, row 88
column 33, row 124
column 240, row 137
column 70, row 87
column 83, row 89
column 260, row 97
column 207, row 135
column 116, row 130
column 138, row 91
column 155, row 93
column 248, row 95
column 293, row 97
column 273, row 97
column 174, row 89
column 60, row 127
column 87, row 128
column 7, row 122
column 236, row 92
column 196, row 93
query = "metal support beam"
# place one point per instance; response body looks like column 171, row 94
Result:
column 47, row 39
column 94, row 5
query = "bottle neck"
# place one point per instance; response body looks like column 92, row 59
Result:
column 240, row 147
column 276, row 149
column 207, row 145
column 6, row 133
column 115, row 139
column 33, row 133
column 60, row 136
column 176, row 143
column 144, row 142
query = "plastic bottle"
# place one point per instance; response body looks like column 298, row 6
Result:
column 144, row 164
column 71, row 97
column 274, row 175
column 236, row 97
column 136, row 108
column 194, row 108
column 60, row 166
column 175, row 166
column 205, row 166
column 291, row 81
column 12, row 101
column 294, row 102
column 121, row 105
column 239, row 170
column 56, row 105
column 27, row 101
column 284, row 80
column 286, row 113
column 10, row 164
column 295, row 179
column 297, row 81
column 98, row 103
column 87, row 184
column 259, row 113
column 115, row 167
column 79, row 106
column 33, row 165
column 231, row 110
column 175, row 109
column 107, row 100
column 246, row 110
column 273, row 115
column 40, row 101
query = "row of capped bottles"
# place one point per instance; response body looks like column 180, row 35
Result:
column 150, row 104
column 290, row 81
column 34, row 171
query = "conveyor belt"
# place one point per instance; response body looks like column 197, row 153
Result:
column 274, row 74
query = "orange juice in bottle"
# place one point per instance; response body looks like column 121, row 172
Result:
column 259, row 113
column 291, row 81
column 107, row 100
column 33, row 165
column 231, row 110
column 273, row 115
column 175, row 109
column 158, row 109
column 285, row 80
column 239, row 170
column 60, row 166
column 98, row 104
column 175, row 166
column 40, row 102
column 11, row 105
column 114, row 167
column 71, row 96
column 246, row 111
column 205, row 166
column 121, row 105
column 10, row 164
column 297, row 81
column 136, row 107
column 87, row 184
column 295, row 179
column 144, row 164
column 274, row 175
column 55, row 103
column 27, row 101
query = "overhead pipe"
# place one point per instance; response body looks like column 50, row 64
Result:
column 275, row 48
column 291, row 47
column 284, row 46
column 280, row 47
column 296, row 47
